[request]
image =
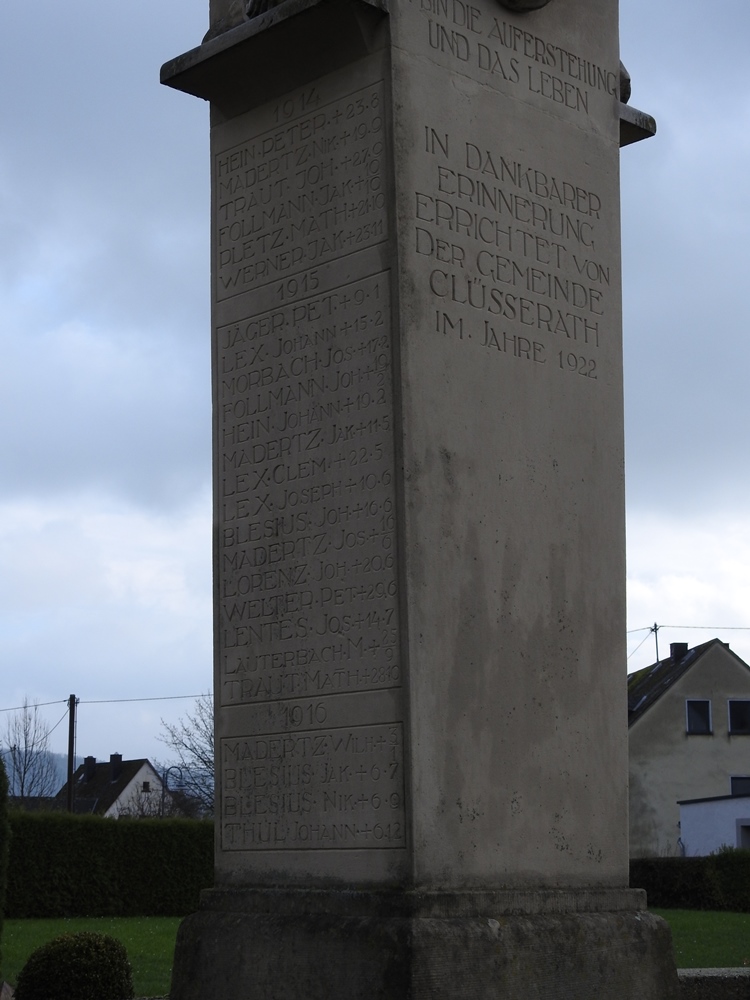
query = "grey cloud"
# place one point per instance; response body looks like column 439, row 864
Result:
column 104, row 269
column 686, row 211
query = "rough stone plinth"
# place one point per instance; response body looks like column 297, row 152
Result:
column 417, row 946
column 714, row 984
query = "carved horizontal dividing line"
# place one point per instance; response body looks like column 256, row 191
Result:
column 301, row 194
column 371, row 706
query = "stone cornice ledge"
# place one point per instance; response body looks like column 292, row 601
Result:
column 322, row 27
column 635, row 125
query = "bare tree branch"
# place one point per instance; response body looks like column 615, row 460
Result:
column 191, row 740
column 28, row 761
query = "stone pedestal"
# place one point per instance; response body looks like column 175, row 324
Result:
column 423, row 946
column 419, row 510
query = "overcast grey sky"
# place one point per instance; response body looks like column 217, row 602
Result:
column 105, row 589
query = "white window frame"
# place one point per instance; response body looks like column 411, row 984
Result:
column 736, row 732
column 695, row 732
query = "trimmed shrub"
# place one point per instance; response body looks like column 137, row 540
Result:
column 731, row 866
column 4, row 847
column 677, row 883
column 718, row 881
column 81, row 966
column 86, row 866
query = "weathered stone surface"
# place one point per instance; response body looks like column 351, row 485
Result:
column 418, row 379
column 419, row 548
column 370, row 950
column 714, row 984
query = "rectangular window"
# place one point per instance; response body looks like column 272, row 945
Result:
column 740, row 785
column 698, row 717
column 739, row 716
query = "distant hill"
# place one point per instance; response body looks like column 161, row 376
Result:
column 60, row 762
column 61, row 766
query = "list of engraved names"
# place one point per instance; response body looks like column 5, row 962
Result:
column 307, row 576
column 340, row 788
column 302, row 193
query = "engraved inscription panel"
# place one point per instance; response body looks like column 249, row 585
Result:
column 518, row 60
column 308, row 601
column 302, row 193
column 308, row 669
column 513, row 235
column 324, row 789
column 515, row 255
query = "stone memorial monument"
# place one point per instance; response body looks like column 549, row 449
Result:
column 421, row 728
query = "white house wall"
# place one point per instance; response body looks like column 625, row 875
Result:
column 708, row 826
column 133, row 800
column 667, row 765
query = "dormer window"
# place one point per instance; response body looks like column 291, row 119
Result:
column 739, row 716
column 698, row 717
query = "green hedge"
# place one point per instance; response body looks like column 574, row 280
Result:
column 4, row 848
column 86, row 866
column 719, row 881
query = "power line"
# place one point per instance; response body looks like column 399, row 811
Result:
column 37, row 704
column 41, row 741
column 704, row 628
column 120, row 701
column 63, row 716
column 43, row 736
column 707, row 628
column 101, row 701
column 640, row 643
column 713, row 628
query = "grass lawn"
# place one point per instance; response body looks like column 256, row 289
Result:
column 709, row 940
column 701, row 940
column 149, row 942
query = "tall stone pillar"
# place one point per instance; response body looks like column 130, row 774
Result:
column 419, row 511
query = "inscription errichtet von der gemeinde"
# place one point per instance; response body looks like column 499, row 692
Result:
column 513, row 255
column 339, row 788
column 302, row 193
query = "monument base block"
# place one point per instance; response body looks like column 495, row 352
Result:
column 338, row 945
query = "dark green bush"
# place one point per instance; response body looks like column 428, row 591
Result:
column 81, row 966
column 86, row 866
column 718, row 881
column 731, row 866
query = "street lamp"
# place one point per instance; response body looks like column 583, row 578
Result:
column 164, row 789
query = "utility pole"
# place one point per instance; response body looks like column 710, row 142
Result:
column 72, row 702
column 655, row 630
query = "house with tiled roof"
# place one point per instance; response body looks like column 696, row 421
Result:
column 116, row 788
column 689, row 738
